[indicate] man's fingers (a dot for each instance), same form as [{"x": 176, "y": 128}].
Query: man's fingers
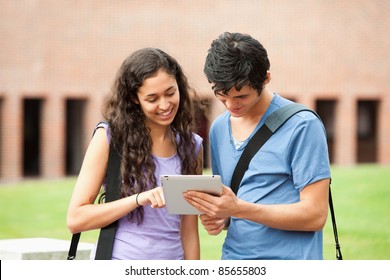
[
  {"x": 203, "y": 206},
  {"x": 196, "y": 204},
  {"x": 213, "y": 230},
  {"x": 201, "y": 195}
]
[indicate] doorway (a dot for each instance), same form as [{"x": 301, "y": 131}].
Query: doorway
[
  {"x": 75, "y": 111},
  {"x": 367, "y": 120},
  {"x": 326, "y": 109},
  {"x": 31, "y": 136}
]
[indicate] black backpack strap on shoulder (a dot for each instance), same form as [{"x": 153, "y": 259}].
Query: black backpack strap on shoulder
[
  {"x": 113, "y": 183},
  {"x": 271, "y": 125},
  {"x": 256, "y": 142},
  {"x": 280, "y": 116}
]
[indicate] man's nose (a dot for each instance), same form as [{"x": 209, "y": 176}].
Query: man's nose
[{"x": 230, "y": 103}]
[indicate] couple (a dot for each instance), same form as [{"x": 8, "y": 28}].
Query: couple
[{"x": 282, "y": 203}]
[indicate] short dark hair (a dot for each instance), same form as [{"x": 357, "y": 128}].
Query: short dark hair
[{"x": 236, "y": 60}]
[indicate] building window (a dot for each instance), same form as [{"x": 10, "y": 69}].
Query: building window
[
  {"x": 75, "y": 111},
  {"x": 31, "y": 136},
  {"x": 367, "y": 131},
  {"x": 326, "y": 109}
]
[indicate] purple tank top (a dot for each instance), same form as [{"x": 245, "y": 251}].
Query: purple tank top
[{"x": 158, "y": 237}]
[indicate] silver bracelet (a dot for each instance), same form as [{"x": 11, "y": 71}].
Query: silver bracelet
[{"x": 136, "y": 200}]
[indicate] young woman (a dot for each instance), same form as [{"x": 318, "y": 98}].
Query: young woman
[{"x": 150, "y": 118}]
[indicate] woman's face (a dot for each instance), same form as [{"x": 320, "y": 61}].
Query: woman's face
[{"x": 159, "y": 99}]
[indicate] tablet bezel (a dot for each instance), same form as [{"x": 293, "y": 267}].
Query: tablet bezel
[{"x": 175, "y": 185}]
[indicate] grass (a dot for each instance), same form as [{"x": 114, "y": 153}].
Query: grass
[
  {"x": 361, "y": 196},
  {"x": 37, "y": 208}
]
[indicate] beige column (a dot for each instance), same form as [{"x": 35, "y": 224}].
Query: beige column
[
  {"x": 53, "y": 140},
  {"x": 93, "y": 115},
  {"x": 308, "y": 100},
  {"x": 12, "y": 138},
  {"x": 384, "y": 131},
  {"x": 345, "y": 131}
]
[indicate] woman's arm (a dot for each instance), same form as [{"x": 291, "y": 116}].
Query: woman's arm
[
  {"x": 83, "y": 214},
  {"x": 190, "y": 237},
  {"x": 189, "y": 225}
]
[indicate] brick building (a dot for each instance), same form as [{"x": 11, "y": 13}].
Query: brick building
[{"x": 58, "y": 60}]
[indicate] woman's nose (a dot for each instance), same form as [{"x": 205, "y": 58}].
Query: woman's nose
[{"x": 164, "y": 104}]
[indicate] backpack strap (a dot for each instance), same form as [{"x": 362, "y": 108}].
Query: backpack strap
[
  {"x": 271, "y": 125},
  {"x": 339, "y": 256},
  {"x": 73, "y": 246},
  {"x": 107, "y": 234},
  {"x": 113, "y": 183}
]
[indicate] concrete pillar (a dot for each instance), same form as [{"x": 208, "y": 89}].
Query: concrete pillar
[
  {"x": 53, "y": 137},
  {"x": 345, "y": 131},
  {"x": 384, "y": 131},
  {"x": 93, "y": 115},
  {"x": 308, "y": 100},
  {"x": 12, "y": 138}
]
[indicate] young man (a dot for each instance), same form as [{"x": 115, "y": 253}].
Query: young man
[{"x": 282, "y": 201}]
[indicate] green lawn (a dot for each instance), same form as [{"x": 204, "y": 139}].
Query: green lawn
[{"x": 37, "y": 208}]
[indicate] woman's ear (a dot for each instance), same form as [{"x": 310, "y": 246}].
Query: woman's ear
[{"x": 135, "y": 100}]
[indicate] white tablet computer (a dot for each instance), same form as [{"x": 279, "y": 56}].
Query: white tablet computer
[{"x": 175, "y": 185}]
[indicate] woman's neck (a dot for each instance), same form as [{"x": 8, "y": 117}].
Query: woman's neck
[{"x": 163, "y": 142}]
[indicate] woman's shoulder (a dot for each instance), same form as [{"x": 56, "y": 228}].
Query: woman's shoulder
[
  {"x": 106, "y": 126},
  {"x": 197, "y": 137}
]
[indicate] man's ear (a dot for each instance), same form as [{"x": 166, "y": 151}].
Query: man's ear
[{"x": 267, "y": 78}]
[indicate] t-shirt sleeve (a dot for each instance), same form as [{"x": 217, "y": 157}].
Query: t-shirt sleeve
[
  {"x": 198, "y": 142},
  {"x": 105, "y": 126},
  {"x": 309, "y": 153}
]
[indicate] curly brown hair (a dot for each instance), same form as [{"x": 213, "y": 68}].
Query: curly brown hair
[{"x": 129, "y": 133}]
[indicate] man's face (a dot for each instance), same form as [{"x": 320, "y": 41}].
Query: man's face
[{"x": 240, "y": 103}]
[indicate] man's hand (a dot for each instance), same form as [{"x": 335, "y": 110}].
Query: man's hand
[
  {"x": 220, "y": 207},
  {"x": 213, "y": 225}
]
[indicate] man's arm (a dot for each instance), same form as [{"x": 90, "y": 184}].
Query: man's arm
[{"x": 309, "y": 214}]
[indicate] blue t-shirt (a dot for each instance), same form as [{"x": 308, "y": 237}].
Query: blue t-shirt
[{"x": 295, "y": 156}]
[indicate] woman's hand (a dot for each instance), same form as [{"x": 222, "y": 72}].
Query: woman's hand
[{"x": 153, "y": 197}]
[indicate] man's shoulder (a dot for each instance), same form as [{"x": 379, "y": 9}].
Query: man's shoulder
[
  {"x": 222, "y": 119},
  {"x": 278, "y": 102}
]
